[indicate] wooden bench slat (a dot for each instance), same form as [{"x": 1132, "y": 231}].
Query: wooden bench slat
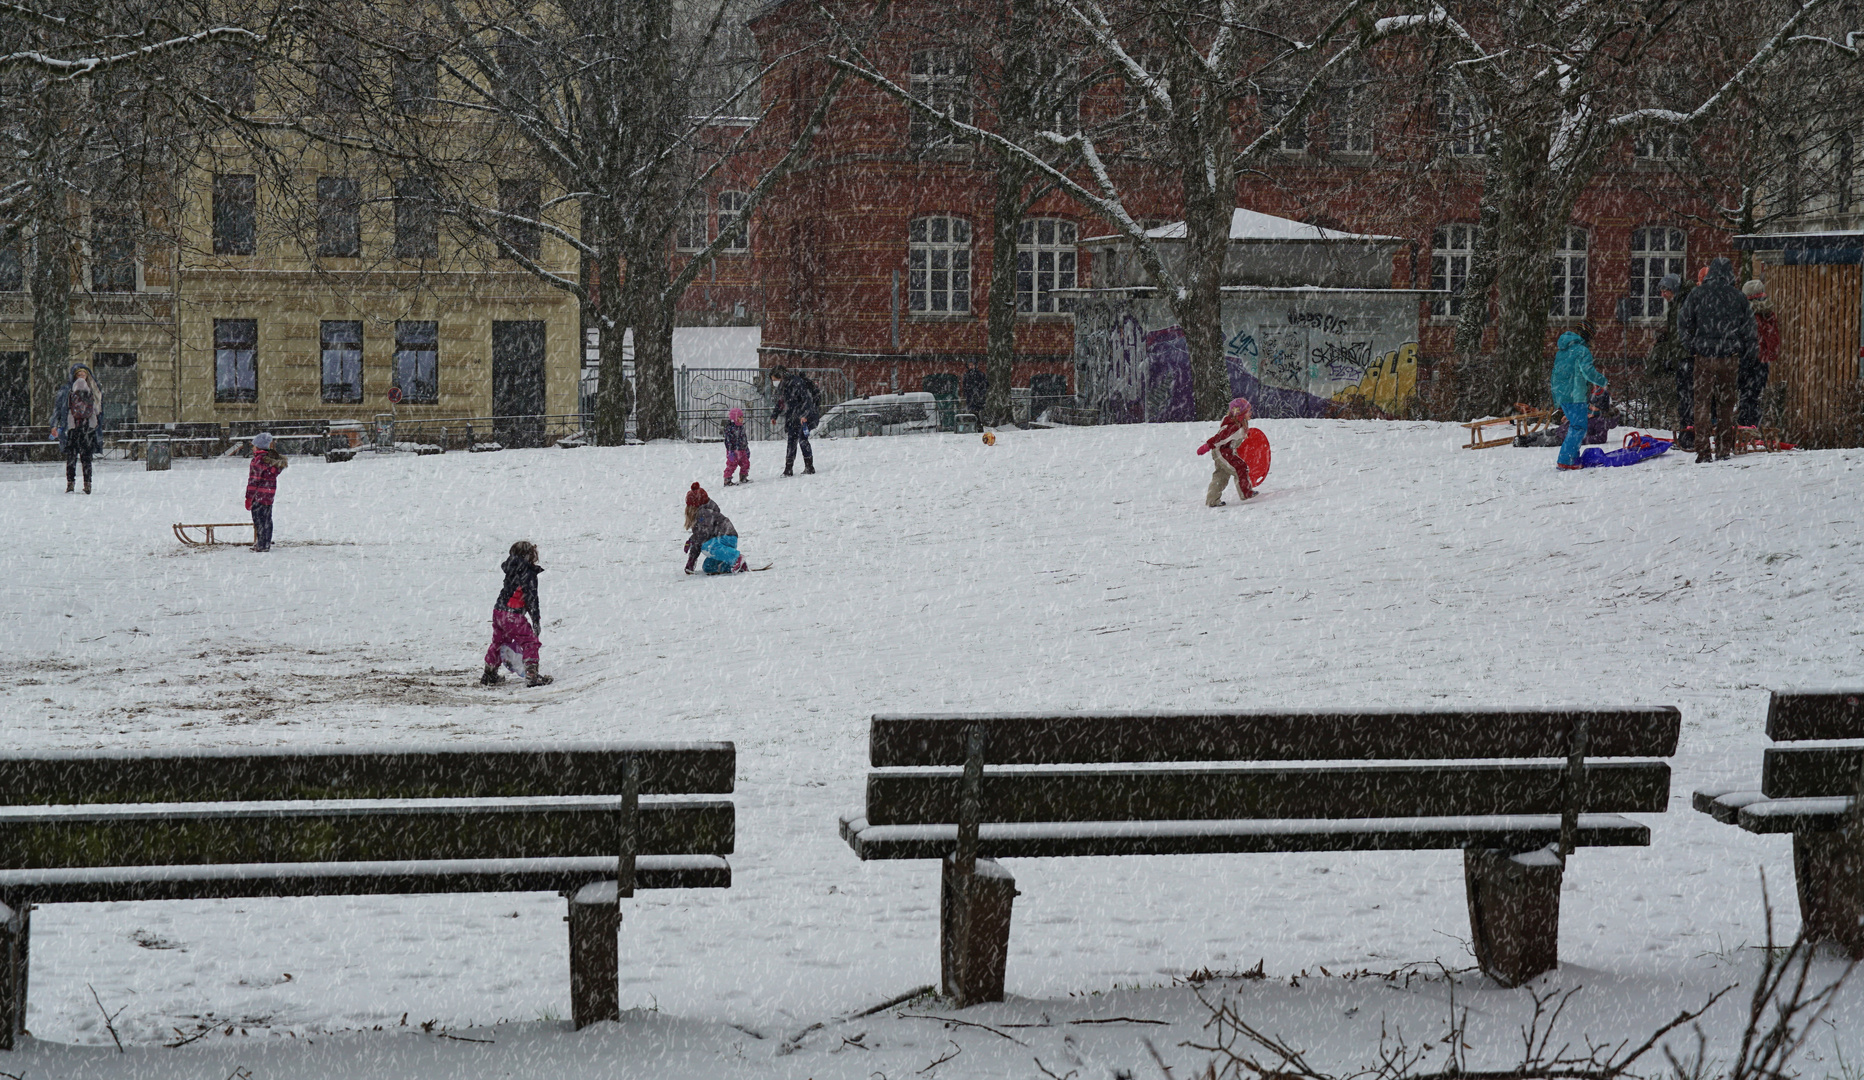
[
  {"x": 71, "y": 837},
  {"x": 1770, "y": 816},
  {"x": 1281, "y": 735},
  {"x": 1798, "y": 717},
  {"x": 1804, "y": 772},
  {"x": 1009, "y": 795},
  {"x": 1724, "y": 804},
  {"x": 94, "y": 885},
  {"x": 501, "y": 771},
  {"x": 1522, "y": 833}
]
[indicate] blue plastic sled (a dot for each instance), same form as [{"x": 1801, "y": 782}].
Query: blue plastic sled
[{"x": 1636, "y": 448}]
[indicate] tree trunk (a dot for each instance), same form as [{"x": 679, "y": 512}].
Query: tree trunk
[
  {"x": 51, "y": 301},
  {"x": 1200, "y": 307},
  {"x": 614, "y": 398},
  {"x": 1000, "y": 338},
  {"x": 650, "y": 313}
]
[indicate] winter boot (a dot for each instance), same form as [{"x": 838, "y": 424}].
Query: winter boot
[
  {"x": 531, "y": 677},
  {"x": 808, "y": 470},
  {"x": 70, "y": 486},
  {"x": 87, "y": 487},
  {"x": 491, "y": 676}
]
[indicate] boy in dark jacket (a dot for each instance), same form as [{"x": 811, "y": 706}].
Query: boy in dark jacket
[
  {"x": 262, "y": 488},
  {"x": 516, "y": 619}
]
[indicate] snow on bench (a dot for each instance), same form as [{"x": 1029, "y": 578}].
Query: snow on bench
[
  {"x": 84, "y": 827},
  {"x": 968, "y": 790},
  {"x": 1810, "y": 789}
]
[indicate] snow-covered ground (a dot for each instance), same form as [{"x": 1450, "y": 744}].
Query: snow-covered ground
[{"x": 1059, "y": 569}]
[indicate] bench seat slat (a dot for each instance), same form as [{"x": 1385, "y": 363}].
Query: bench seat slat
[
  {"x": 1799, "y": 716},
  {"x": 100, "y": 884},
  {"x": 917, "y": 797},
  {"x": 1280, "y": 735},
  {"x": 505, "y": 770},
  {"x": 1804, "y": 772},
  {"x": 141, "y": 835},
  {"x": 997, "y": 841},
  {"x": 1724, "y": 804},
  {"x": 1770, "y": 816}
]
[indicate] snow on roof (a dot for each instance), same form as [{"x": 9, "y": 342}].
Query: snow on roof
[{"x": 1250, "y": 226}]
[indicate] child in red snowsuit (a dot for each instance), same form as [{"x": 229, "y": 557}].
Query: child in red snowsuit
[
  {"x": 262, "y": 488},
  {"x": 516, "y": 618},
  {"x": 1228, "y": 460}
]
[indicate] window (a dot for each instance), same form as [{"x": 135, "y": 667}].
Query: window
[
  {"x": 1660, "y": 144},
  {"x": 113, "y": 252},
  {"x": 234, "y": 213},
  {"x": 12, "y": 273},
  {"x": 232, "y": 80},
  {"x": 1349, "y": 127},
  {"x": 1459, "y": 124},
  {"x": 524, "y": 80},
  {"x": 416, "y": 232},
  {"x": 1569, "y": 277},
  {"x": 236, "y": 360},
  {"x": 1654, "y": 253},
  {"x": 339, "y": 75},
  {"x": 938, "y": 266},
  {"x": 1276, "y": 104},
  {"x": 417, "y": 362},
  {"x": 1451, "y": 249},
  {"x": 692, "y": 235},
  {"x": 1061, "y": 90},
  {"x": 1045, "y": 261},
  {"x": 730, "y": 209},
  {"x": 341, "y": 343},
  {"x": 414, "y": 77},
  {"x": 523, "y": 200},
  {"x": 339, "y": 216},
  {"x": 942, "y": 79}
]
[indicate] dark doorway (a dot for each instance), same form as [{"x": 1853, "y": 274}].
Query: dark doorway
[
  {"x": 518, "y": 383},
  {"x": 15, "y": 389},
  {"x": 116, "y": 377}
]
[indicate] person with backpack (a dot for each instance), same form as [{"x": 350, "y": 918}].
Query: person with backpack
[
  {"x": 799, "y": 405},
  {"x": 77, "y": 423}
]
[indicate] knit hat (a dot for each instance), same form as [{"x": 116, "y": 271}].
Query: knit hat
[
  {"x": 1701, "y": 273},
  {"x": 1754, "y": 289},
  {"x": 1586, "y": 330},
  {"x": 697, "y": 496},
  {"x": 1243, "y": 404},
  {"x": 1670, "y": 283},
  {"x": 737, "y": 416},
  {"x": 262, "y": 441}
]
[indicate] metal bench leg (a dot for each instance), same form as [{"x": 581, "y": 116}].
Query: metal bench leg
[
  {"x": 1828, "y": 867},
  {"x": 1514, "y": 911},
  {"x": 595, "y": 954},
  {"x": 974, "y": 931},
  {"x": 15, "y": 928}
]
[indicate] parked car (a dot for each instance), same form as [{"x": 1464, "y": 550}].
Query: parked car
[{"x": 882, "y": 414}]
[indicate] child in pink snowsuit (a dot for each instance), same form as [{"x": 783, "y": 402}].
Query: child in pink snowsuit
[
  {"x": 1228, "y": 461},
  {"x": 516, "y": 618},
  {"x": 737, "y": 448}
]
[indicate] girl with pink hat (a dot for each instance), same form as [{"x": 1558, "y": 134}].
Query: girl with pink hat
[
  {"x": 1228, "y": 459},
  {"x": 737, "y": 448}
]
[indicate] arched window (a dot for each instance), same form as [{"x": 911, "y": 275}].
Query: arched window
[
  {"x": 730, "y": 207},
  {"x": 1045, "y": 261},
  {"x": 1655, "y": 252},
  {"x": 938, "y": 266},
  {"x": 1569, "y": 277},
  {"x": 691, "y": 234}
]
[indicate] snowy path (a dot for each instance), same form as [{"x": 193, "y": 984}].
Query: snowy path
[{"x": 1064, "y": 569}]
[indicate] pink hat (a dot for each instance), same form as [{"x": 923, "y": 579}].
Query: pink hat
[
  {"x": 737, "y": 416},
  {"x": 1243, "y": 404}
]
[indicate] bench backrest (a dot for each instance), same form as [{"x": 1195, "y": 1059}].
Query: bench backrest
[
  {"x": 1798, "y": 772},
  {"x": 1388, "y": 763},
  {"x": 108, "y": 808}
]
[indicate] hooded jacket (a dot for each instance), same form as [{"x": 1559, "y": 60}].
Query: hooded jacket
[
  {"x": 1717, "y": 320},
  {"x": 519, "y": 592},
  {"x": 1573, "y": 370},
  {"x": 708, "y": 521},
  {"x": 798, "y": 400},
  {"x": 76, "y": 437}
]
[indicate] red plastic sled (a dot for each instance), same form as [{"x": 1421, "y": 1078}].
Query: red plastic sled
[{"x": 1255, "y": 454}]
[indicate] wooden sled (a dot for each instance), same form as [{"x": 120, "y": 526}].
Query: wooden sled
[
  {"x": 181, "y": 533},
  {"x": 1525, "y": 421}
]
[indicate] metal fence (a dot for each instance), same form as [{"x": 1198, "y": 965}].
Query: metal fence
[
  {"x": 465, "y": 432},
  {"x": 704, "y": 398}
]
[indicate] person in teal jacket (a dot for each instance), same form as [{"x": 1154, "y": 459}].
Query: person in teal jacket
[{"x": 1574, "y": 376}]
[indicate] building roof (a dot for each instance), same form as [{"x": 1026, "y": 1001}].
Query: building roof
[
  {"x": 1800, "y": 241},
  {"x": 1252, "y": 227}
]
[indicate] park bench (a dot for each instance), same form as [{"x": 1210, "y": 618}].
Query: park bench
[
  {"x": 1813, "y": 793},
  {"x": 289, "y": 436},
  {"x": 202, "y": 440},
  {"x": 18, "y": 444},
  {"x": 90, "y": 826},
  {"x": 969, "y": 790}
]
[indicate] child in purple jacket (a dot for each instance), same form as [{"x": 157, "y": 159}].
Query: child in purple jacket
[{"x": 737, "y": 448}]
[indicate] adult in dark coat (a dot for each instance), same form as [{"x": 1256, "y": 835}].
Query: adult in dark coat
[
  {"x": 1669, "y": 359},
  {"x": 1756, "y": 366},
  {"x": 799, "y": 406},
  {"x": 974, "y": 388},
  {"x": 1717, "y": 324},
  {"x": 77, "y": 423}
]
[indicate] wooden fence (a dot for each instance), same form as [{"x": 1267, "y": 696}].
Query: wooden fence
[{"x": 1819, "y": 359}]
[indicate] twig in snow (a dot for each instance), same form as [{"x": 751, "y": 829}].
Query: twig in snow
[
  {"x": 1123, "y": 1020},
  {"x": 900, "y": 999},
  {"x": 964, "y": 1023},
  {"x": 109, "y": 1017},
  {"x": 184, "y": 1040},
  {"x": 955, "y": 1051},
  {"x": 1157, "y": 1060},
  {"x": 1070, "y": 1075}
]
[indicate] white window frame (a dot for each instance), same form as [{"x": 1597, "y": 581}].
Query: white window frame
[
  {"x": 730, "y": 208},
  {"x": 1046, "y": 260},
  {"x": 1275, "y": 103},
  {"x": 1569, "y": 269},
  {"x": 692, "y": 233},
  {"x": 1452, "y": 253},
  {"x": 938, "y": 265},
  {"x": 1650, "y": 264},
  {"x": 1660, "y": 145},
  {"x": 1460, "y": 123},
  {"x": 942, "y": 79}
]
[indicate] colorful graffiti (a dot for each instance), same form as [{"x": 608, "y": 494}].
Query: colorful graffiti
[{"x": 1389, "y": 384}]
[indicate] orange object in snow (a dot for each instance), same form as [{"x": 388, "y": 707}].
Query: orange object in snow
[
  {"x": 990, "y": 438},
  {"x": 1256, "y": 455}
]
